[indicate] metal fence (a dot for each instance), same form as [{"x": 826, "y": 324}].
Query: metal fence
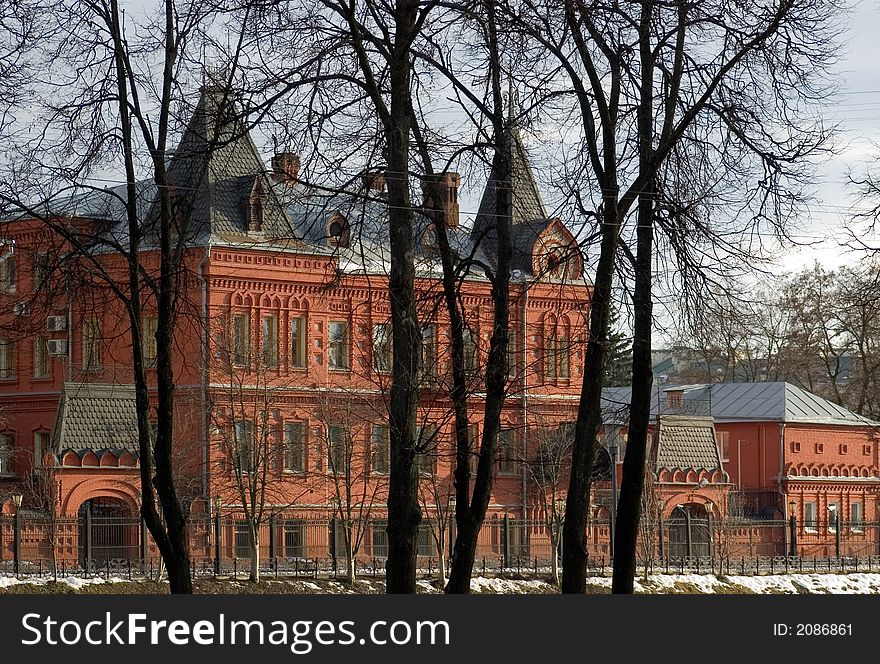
[{"x": 308, "y": 546}]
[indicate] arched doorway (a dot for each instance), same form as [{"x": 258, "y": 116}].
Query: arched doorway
[
  {"x": 108, "y": 532},
  {"x": 690, "y": 532}
]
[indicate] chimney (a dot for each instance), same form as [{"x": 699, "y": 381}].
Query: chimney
[
  {"x": 448, "y": 193},
  {"x": 285, "y": 167},
  {"x": 373, "y": 181}
]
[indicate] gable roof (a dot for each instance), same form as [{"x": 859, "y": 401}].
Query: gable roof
[
  {"x": 741, "y": 402},
  {"x": 95, "y": 417}
]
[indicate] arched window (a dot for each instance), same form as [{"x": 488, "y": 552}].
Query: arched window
[{"x": 338, "y": 231}]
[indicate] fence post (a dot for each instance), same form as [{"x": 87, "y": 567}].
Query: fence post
[
  {"x": 506, "y": 525},
  {"x": 88, "y": 539},
  {"x": 16, "y": 539},
  {"x": 145, "y": 546},
  {"x": 272, "y": 537},
  {"x": 218, "y": 543}
]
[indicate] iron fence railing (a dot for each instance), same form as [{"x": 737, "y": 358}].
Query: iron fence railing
[{"x": 306, "y": 546}]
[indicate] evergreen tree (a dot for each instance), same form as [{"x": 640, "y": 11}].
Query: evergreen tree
[{"x": 618, "y": 355}]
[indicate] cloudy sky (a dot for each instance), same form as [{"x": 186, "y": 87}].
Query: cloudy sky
[{"x": 857, "y": 110}]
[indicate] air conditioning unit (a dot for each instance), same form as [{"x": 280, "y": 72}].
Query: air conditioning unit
[
  {"x": 56, "y": 323},
  {"x": 19, "y": 309},
  {"x": 56, "y": 346}
]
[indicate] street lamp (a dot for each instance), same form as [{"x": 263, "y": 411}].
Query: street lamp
[
  {"x": 836, "y": 517},
  {"x": 16, "y": 545},
  {"x": 792, "y": 526},
  {"x": 218, "y": 529}
]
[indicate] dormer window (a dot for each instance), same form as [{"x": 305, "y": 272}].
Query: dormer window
[
  {"x": 257, "y": 215},
  {"x": 338, "y": 231}
]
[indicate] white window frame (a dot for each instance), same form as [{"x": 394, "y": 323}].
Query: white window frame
[{"x": 338, "y": 351}]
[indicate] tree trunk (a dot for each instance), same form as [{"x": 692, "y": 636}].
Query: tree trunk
[
  {"x": 463, "y": 556},
  {"x": 404, "y": 512},
  {"x": 633, "y": 479},
  {"x": 255, "y": 554}
]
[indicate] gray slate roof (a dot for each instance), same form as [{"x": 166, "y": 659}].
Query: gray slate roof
[
  {"x": 687, "y": 443},
  {"x": 96, "y": 417},
  {"x": 741, "y": 402}
]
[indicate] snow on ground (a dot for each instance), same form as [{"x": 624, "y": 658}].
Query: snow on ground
[{"x": 830, "y": 583}]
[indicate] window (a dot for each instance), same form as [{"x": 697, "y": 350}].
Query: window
[
  {"x": 866, "y": 450},
  {"x": 338, "y": 231},
  {"x": 810, "y": 516},
  {"x": 833, "y": 516},
  {"x": 379, "y": 542},
  {"x": 564, "y": 357},
  {"x": 7, "y": 450},
  {"x": 336, "y": 538},
  {"x": 242, "y": 539},
  {"x": 41, "y": 358},
  {"x": 7, "y": 359},
  {"x": 41, "y": 444},
  {"x": 506, "y": 452},
  {"x": 795, "y": 447},
  {"x": 380, "y": 447},
  {"x": 270, "y": 341},
  {"x": 244, "y": 445},
  {"x": 7, "y": 274},
  {"x": 295, "y": 447},
  {"x": 298, "y": 342},
  {"x": 843, "y": 449},
  {"x": 295, "y": 542},
  {"x": 426, "y": 450},
  {"x": 426, "y": 540},
  {"x": 91, "y": 345},
  {"x": 337, "y": 449},
  {"x": 470, "y": 349},
  {"x": 511, "y": 352},
  {"x": 382, "y": 347},
  {"x": 429, "y": 351},
  {"x": 42, "y": 272},
  {"x": 151, "y": 350},
  {"x": 257, "y": 215},
  {"x": 550, "y": 352},
  {"x": 820, "y": 448},
  {"x": 856, "y": 517},
  {"x": 240, "y": 340},
  {"x": 723, "y": 440},
  {"x": 338, "y": 345}
]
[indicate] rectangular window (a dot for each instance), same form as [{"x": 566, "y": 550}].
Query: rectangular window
[
  {"x": 550, "y": 352},
  {"x": 151, "y": 347},
  {"x": 856, "y": 517},
  {"x": 511, "y": 353},
  {"x": 8, "y": 273},
  {"x": 295, "y": 447},
  {"x": 426, "y": 450},
  {"x": 91, "y": 345},
  {"x": 7, "y": 450},
  {"x": 564, "y": 358},
  {"x": 41, "y": 358},
  {"x": 470, "y": 350},
  {"x": 240, "y": 340},
  {"x": 337, "y": 346},
  {"x": 382, "y": 347},
  {"x": 429, "y": 351},
  {"x": 242, "y": 540},
  {"x": 843, "y": 449},
  {"x": 244, "y": 445},
  {"x": 7, "y": 359},
  {"x": 810, "y": 520},
  {"x": 336, "y": 539},
  {"x": 506, "y": 452},
  {"x": 41, "y": 444},
  {"x": 795, "y": 447},
  {"x": 723, "y": 440},
  {"x": 298, "y": 342},
  {"x": 833, "y": 516},
  {"x": 42, "y": 273},
  {"x": 426, "y": 541},
  {"x": 379, "y": 540},
  {"x": 380, "y": 449},
  {"x": 295, "y": 542},
  {"x": 820, "y": 448},
  {"x": 270, "y": 341},
  {"x": 337, "y": 450}
]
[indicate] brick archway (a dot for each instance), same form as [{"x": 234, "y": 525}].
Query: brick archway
[{"x": 81, "y": 490}]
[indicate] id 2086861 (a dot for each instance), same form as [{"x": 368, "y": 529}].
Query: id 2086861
[{"x": 813, "y": 629}]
